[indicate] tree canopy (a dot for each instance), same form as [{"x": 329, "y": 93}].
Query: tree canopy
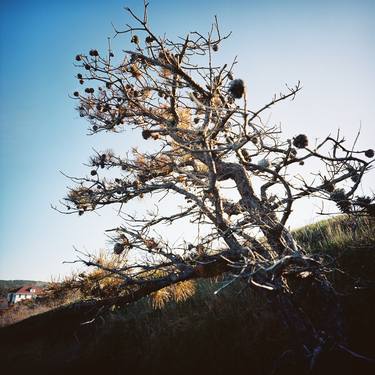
[{"x": 233, "y": 176}]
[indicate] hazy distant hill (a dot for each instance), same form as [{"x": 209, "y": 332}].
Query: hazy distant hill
[{"x": 6, "y": 285}]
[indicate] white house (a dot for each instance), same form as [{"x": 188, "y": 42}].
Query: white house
[{"x": 25, "y": 292}]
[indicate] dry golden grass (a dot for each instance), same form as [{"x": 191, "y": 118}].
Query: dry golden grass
[
  {"x": 178, "y": 293},
  {"x": 23, "y": 310}
]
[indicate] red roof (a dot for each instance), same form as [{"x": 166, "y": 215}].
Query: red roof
[{"x": 26, "y": 289}]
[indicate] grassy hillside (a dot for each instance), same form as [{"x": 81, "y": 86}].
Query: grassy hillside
[
  {"x": 336, "y": 236},
  {"x": 349, "y": 246},
  {"x": 235, "y": 331}
]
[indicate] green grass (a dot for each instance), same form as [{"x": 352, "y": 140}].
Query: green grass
[
  {"x": 350, "y": 244},
  {"x": 332, "y": 236}
]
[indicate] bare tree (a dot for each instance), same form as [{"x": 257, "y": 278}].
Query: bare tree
[{"x": 238, "y": 179}]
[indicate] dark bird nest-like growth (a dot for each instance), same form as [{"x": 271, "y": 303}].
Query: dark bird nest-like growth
[
  {"x": 237, "y": 88},
  {"x": 300, "y": 141},
  {"x": 369, "y": 153}
]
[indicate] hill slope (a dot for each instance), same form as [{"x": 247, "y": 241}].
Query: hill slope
[{"x": 230, "y": 332}]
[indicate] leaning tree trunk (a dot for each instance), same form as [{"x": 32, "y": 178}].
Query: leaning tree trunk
[
  {"x": 312, "y": 315},
  {"x": 311, "y": 323}
]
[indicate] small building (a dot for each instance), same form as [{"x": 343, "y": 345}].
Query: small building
[{"x": 26, "y": 292}]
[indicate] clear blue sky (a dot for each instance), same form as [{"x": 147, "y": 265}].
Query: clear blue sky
[{"x": 328, "y": 45}]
